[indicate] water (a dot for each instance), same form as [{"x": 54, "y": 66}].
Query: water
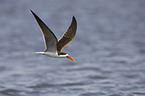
[{"x": 109, "y": 48}]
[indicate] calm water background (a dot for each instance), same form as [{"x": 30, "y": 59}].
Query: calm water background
[{"x": 109, "y": 48}]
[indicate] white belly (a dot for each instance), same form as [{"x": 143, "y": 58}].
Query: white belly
[{"x": 50, "y": 54}]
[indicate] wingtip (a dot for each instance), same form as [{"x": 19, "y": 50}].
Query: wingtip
[
  {"x": 73, "y": 17},
  {"x": 31, "y": 11},
  {"x": 36, "y": 17}
]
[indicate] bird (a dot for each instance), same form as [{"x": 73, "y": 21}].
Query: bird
[{"x": 53, "y": 46}]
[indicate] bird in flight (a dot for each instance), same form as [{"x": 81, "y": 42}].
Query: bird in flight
[{"x": 52, "y": 44}]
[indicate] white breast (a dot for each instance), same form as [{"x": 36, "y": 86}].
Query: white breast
[{"x": 51, "y": 54}]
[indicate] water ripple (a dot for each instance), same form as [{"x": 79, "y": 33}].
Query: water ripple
[
  {"x": 10, "y": 92},
  {"x": 97, "y": 77},
  {"x": 93, "y": 94},
  {"x": 46, "y": 85}
]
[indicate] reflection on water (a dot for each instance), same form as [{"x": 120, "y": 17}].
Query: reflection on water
[{"x": 109, "y": 48}]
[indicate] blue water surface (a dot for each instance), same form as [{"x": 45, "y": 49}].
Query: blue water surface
[{"x": 109, "y": 48}]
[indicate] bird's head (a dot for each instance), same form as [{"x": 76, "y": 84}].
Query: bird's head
[{"x": 65, "y": 55}]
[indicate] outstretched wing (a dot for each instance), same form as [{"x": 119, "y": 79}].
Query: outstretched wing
[
  {"x": 48, "y": 35},
  {"x": 67, "y": 36}
]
